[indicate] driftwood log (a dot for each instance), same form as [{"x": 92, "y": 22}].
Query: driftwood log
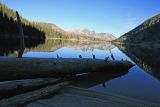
[
  {"x": 24, "y": 68},
  {"x": 22, "y": 99},
  {"x": 11, "y": 88}
]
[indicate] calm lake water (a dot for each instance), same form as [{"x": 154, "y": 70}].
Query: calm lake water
[{"x": 140, "y": 82}]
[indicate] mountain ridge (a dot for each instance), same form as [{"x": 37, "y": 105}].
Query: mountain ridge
[
  {"x": 92, "y": 33},
  {"x": 147, "y": 33}
]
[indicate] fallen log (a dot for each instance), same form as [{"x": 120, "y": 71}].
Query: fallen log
[
  {"x": 24, "y": 68},
  {"x": 22, "y": 99},
  {"x": 11, "y": 88}
]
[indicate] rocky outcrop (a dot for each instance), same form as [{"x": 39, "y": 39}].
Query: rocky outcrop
[{"x": 89, "y": 33}]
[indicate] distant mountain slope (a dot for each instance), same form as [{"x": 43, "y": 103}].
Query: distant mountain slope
[
  {"x": 147, "y": 33},
  {"x": 89, "y": 33},
  {"x": 53, "y": 26}
]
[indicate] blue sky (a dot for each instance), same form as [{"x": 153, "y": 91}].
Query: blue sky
[{"x": 113, "y": 16}]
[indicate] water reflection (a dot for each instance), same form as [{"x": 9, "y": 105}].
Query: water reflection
[
  {"x": 55, "y": 44},
  {"x": 145, "y": 57},
  {"x": 11, "y": 46},
  {"x": 134, "y": 83}
]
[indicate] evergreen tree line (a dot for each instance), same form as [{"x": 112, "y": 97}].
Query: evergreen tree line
[{"x": 9, "y": 26}]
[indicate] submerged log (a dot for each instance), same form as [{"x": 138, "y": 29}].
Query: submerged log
[
  {"x": 11, "y": 88},
  {"x": 15, "y": 68},
  {"x": 22, "y": 99}
]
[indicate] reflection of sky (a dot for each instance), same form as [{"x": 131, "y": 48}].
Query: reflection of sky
[{"x": 136, "y": 83}]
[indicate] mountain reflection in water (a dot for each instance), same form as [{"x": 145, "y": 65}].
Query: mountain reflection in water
[
  {"x": 10, "y": 49},
  {"x": 53, "y": 45},
  {"x": 10, "y": 46},
  {"x": 146, "y": 58}
]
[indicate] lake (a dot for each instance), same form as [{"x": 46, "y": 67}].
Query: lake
[{"x": 141, "y": 81}]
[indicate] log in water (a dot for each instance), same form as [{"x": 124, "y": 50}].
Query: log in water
[
  {"x": 21, "y": 68},
  {"x": 22, "y": 99},
  {"x": 14, "y": 87}
]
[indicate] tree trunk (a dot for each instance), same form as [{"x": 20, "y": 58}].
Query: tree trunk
[
  {"x": 22, "y": 99},
  {"x": 24, "y": 68},
  {"x": 22, "y": 45}
]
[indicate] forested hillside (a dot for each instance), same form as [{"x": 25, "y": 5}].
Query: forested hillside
[{"x": 147, "y": 33}]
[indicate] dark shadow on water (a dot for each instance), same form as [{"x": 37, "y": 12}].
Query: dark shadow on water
[
  {"x": 93, "y": 79},
  {"x": 11, "y": 46},
  {"x": 146, "y": 58}
]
